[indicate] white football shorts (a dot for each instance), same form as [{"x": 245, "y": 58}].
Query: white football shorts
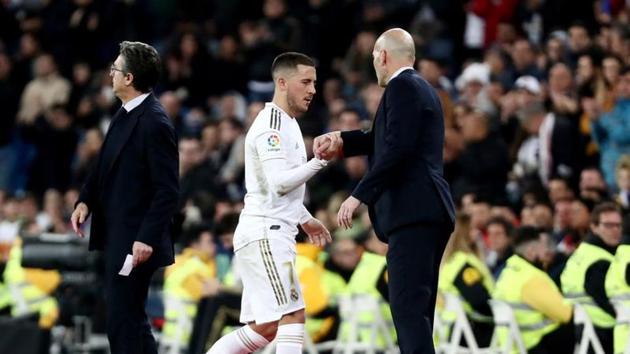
[{"x": 270, "y": 283}]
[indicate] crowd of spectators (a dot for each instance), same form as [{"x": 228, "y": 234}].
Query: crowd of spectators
[
  {"x": 534, "y": 94},
  {"x": 536, "y": 99}
]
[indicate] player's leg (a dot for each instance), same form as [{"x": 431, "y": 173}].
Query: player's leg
[
  {"x": 241, "y": 341},
  {"x": 271, "y": 303},
  {"x": 246, "y": 339},
  {"x": 290, "y": 335},
  {"x": 280, "y": 257},
  {"x": 289, "y": 332}
]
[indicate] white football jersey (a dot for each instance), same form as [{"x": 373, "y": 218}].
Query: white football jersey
[{"x": 273, "y": 135}]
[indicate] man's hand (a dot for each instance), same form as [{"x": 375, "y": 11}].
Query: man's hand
[
  {"x": 140, "y": 252},
  {"x": 328, "y": 146},
  {"x": 344, "y": 216},
  {"x": 317, "y": 232},
  {"x": 78, "y": 217}
]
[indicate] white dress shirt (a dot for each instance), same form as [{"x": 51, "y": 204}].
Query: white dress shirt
[
  {"x": 129, "y": 106},
  {"x": 397, "y": 72}
]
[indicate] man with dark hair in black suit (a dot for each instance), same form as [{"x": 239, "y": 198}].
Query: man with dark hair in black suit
[
  {"x": 409, "y": 201},
  {"x": 132, "y": 196}
]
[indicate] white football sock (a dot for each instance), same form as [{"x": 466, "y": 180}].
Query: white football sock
[
  {"x": 290, "y": 338},
  {"x": 242, "y": 341}
]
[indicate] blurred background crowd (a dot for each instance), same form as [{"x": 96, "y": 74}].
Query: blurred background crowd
[{"x": 536, "y": 100}]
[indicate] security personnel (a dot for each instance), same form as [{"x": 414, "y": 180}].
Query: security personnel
[
  {"x": 465, "y": 275},
  {"x": 618, "y": 289},
  {"x": 584, "y": 277},
  {"x": 31, "y": 288},
  {"x": 353, "y": 271},
  {"x": 5, "y": 294},
  {"x": 543, "y": 315},
  {"x": 191, "y": 277},
  {"x": 316, "y": 297},
  {"x": 5, "y": 298}
]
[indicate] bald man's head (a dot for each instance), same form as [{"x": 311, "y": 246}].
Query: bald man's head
[
  {"x": 394, "y": 49},
  {"x": 398, "y": 43}
]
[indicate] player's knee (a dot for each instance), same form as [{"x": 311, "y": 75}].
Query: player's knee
[
  {"x": 294, "y": 317},
  {"x": 267, "y": 330}
]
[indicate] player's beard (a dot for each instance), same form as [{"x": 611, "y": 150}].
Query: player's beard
[{"x": 294, "y": 106}]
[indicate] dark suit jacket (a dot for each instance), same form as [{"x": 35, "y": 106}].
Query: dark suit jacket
[
  {"x": 404, "y": 184},
  {"x": 132, "y": 195}
]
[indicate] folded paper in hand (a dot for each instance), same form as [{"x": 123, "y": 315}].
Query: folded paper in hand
[{"x": 127, "y": 266}]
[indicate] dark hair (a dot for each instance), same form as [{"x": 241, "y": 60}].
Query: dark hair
[
  {"x": 588, "y": 203},
  {"x": 143, "y": 62},
  {"x": 481, "y": 198},
  {"x": 227, "y": 224},
  {"x": 233, "y": 122},
  {"x": 351, "y": 111},
  {"x": 194, "y": 232},
  {"x": 439, "y": 61},
  {"x": 190, "y": 136},
  {"x": 290, "y": 60},
  {"x": 613, "y": 57},
  {"x": 579, "y": 23},
  {"x": 525, "y": 234},
  {"x": 559, "y": 178},
  {"x": 507, "y": 226},
  {"x": 605, "y": 207}
]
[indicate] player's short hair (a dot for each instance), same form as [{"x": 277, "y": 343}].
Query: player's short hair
[{"x": 290, "y": 61}]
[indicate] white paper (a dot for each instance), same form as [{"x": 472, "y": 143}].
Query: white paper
[{"x": 127, "y": 266}]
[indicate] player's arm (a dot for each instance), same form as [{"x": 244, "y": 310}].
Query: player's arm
[
  {"x": 316, "y": 231},
  {"x": 283, "y": 179},
  {"x": 305, "y": 215}
]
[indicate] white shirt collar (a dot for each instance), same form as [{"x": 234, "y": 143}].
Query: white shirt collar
[
  {"x": 129, "y": 106},
  {"x": 397, "y": 72}
]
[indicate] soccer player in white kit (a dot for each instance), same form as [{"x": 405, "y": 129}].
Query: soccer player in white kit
[{"x": 276, "y": 170}]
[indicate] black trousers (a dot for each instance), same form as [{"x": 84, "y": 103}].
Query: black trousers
[
  {"x": 482, "y": 332},
  {"x": 213, "y": 314},
  {"x": 128, "y": 328},
  {"x": 413, "y": 262},
  {"x": 605, "y": 336},
  {"x": 560, "y": 341}
]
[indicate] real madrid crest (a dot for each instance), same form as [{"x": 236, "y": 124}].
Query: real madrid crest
[{"x": 294, "y": 295}]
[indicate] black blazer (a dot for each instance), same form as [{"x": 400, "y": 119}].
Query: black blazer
[
  {"x": 132, "y": 194},
  {"x": 404, "y": 184}
]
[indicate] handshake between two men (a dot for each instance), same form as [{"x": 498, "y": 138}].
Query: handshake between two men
[{"x": 328, "y": 147}]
